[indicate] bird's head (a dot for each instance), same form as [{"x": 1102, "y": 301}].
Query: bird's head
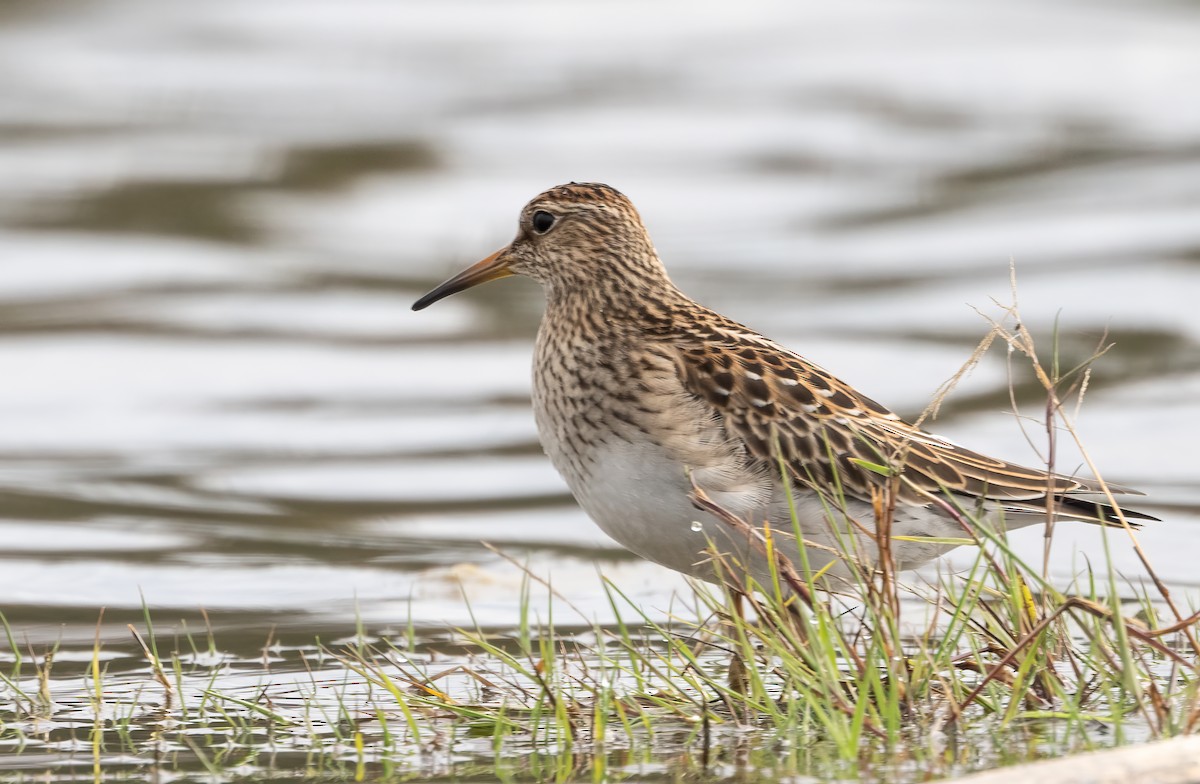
[{"x": 579, "y": 236}]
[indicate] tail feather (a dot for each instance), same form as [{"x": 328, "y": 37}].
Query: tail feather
[
  {"x": 1070, "y": 507},
  {"x": 1100, "y": 512}
]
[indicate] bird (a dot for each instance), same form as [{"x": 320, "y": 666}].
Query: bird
[{"x": 691, "y": 439}]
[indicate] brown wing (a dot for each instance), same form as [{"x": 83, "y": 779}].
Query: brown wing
[{"x": 786, "y": 408}]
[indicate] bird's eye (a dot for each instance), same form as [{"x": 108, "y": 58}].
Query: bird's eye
[{"x": 542, "y": 221}]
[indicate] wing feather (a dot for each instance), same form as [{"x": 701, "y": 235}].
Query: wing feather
[{"x": 783, "y": 406}]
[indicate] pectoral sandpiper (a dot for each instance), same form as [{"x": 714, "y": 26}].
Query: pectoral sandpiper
[{"x": 642, "y": 397}]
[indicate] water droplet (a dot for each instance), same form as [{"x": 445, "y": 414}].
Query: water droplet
[{"x": 697, "y": 525}]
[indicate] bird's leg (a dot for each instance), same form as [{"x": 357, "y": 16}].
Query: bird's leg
[{"x": 737, "y": 678}]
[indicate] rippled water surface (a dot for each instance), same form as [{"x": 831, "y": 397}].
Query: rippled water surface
[{"x": 215, "y": 216}]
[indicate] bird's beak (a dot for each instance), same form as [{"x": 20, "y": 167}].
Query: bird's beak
[{"x": 493, "y": 267}]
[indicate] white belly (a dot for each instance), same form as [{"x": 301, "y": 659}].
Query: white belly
[{"x": 642, "y": 498}]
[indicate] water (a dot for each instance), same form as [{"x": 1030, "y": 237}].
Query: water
[{"x": 214, "y": 217}]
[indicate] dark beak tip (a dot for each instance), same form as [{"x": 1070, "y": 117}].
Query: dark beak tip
[{"x": 440, "y": 293}]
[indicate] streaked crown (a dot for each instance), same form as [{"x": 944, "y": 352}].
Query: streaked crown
[{"x": 580, "y": 233}]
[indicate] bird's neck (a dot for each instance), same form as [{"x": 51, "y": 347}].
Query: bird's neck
[{"x": 616, "y": 304}]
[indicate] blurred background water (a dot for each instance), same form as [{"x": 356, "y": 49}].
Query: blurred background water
[{"x": 215, "y": 216}]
